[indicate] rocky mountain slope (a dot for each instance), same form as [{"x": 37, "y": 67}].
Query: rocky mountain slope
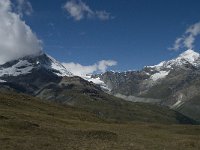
[{"x": 174, "y": 83}]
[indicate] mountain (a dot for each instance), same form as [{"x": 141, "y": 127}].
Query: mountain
[
  {"x": 45, "y": 78},
  {"x": 28, "y": 64},
  {"x": 174, "y": 83},
  {"x": 28, "y": 74}
]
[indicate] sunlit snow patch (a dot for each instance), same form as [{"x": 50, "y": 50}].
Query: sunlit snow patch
[
  {"x": 2, "y": 81},
  {"x": 97, "y": 81},
  {"x": 59, "y": 67},
  {"x": 159, "y": 75},
  {"x": 22, "y": 67}
]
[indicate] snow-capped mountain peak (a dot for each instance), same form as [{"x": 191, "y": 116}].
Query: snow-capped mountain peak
[
  {"x": 27, "y": 64},
  {"x": 163, "y": 69},
  {"x": 189, "y": 55}
]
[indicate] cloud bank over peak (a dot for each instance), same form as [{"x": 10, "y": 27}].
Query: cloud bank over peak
[
  {"x": 78, "y": 10},
  {"x": 188, "y": 39},
  {"x": 80, "y": 70},
  {"x": 16, "y": 37}
]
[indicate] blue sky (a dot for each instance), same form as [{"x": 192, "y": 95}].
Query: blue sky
[{"x": 137, "y": 32}]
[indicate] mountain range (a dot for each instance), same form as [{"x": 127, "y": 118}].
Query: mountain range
[
  {"x": 174, "y": 83},
  {"x": 171, "y": 87}
]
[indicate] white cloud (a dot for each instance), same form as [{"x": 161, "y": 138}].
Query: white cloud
[
  {"x": 24, "y": 7},
  {"x": 78, "y": 10},
  {"x": 16, "y": 37},
  {"x": 103, "y": 15},
  {"x": 104, "y": 64},
  {"x": 187, "y": 40},
  {"x": 80, "y": 70}
]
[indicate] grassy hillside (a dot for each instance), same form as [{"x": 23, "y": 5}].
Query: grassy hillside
[
  {"x": 85, "y": 95},
  {"x": 29, "y": 124},
  {"x": 82, "y": 94}
]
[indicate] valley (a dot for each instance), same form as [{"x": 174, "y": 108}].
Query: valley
[
  {"x": 99, "y": 75},
  {"x": 29, "y": 123}
]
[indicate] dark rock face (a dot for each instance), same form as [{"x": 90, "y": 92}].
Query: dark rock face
[
  {"x": 140, "y": 84},
  {"x": 127, "y": 83}
]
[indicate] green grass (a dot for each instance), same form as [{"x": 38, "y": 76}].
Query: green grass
[{"x": 27, "y": 123}]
